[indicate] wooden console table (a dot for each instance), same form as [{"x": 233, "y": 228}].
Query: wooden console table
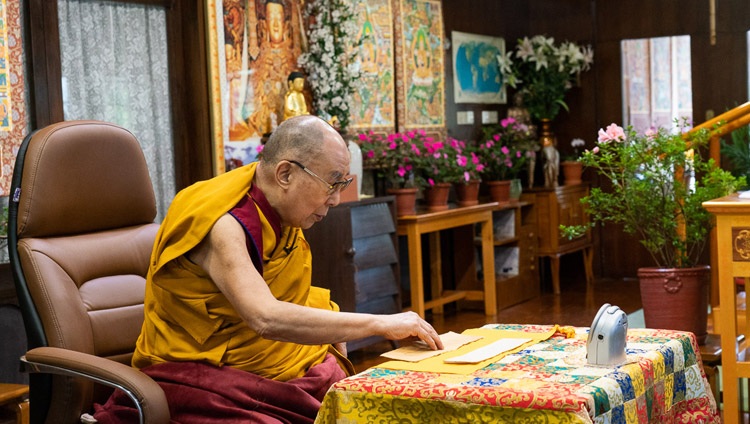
[
  {"x": 732, "y": 260},
  {"x": 413, "y": 226}
]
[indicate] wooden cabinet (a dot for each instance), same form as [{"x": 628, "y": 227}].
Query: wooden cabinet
[
  {"x": 562, "y": 206},
  {"x": 515, "y": 239},
  {"x": 354, "y": 255}
]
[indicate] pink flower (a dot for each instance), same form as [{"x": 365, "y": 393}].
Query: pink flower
[
  {"x": 467, "y": 177},
  {"x": 651, "y": 133},
  {"x": 505, "y": 150},
  {"x": 462, "y": 160},
  {"x": 431, "y": 182},
  {"x": 401, "y": 171},
  {"x": 370, "y": 154},
  {"x": 613, "y": 133}
]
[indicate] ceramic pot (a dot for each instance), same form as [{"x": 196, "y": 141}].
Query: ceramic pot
[
  {"x": 406, "y": 200},
  {"x": 436, "y": 196},
  {"x": 499, "y": 191},
  {"x": 676, "y": 298},
  {"x": 467, "y": 193},
  {"x": 572, "y": 171}
]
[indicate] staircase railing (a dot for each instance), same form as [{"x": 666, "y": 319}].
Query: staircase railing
[{"x": 730, "y": 121}]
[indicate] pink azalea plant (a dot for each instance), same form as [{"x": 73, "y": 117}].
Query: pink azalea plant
[{"x": 504, "y": 153}]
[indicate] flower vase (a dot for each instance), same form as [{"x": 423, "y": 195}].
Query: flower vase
[
  {"x": 406, "y": 200},
  {"x": 437, "y": 197},
  {"x": 467, "y": 193},
  {"x": 572, "y": 171},
  {"x": 499, "y": 191},
  {"x": 516, "y": 188}
]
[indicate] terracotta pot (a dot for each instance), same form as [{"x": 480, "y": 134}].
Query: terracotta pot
[
  {"x": 436, "y": 196},
  {"x": 676, "y": 298},
  {"x": 467, "y": 193},
  {"x": 572, "y": 171},
  {"x": 499, "y": 191},
  {"x": 406, "y": 200}
]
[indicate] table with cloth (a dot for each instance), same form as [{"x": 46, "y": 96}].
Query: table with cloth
[{"x": 546, "y": 380}]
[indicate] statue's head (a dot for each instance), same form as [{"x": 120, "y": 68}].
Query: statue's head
[
  {"x": 295, "y": 80},
  {"x": 275, "y": 20}
]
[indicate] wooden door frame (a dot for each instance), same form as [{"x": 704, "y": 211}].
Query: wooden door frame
[{"x": 188, "y": 81}]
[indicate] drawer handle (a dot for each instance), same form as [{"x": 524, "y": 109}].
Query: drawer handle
[{"x": 351, "y": 251}]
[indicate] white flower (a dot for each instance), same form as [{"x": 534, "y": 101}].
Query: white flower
[{"x": 330, "y": 62}]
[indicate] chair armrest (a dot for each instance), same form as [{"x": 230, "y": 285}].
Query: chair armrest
[{"x": 146, "y": 394}]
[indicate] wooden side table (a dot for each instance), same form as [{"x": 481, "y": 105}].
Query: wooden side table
[
  {"x": 733, "y": 259},
  {"x": 562, "y": 206},
  {"x": 14, "y": 400},
  {"x": 413, "y": 226}
]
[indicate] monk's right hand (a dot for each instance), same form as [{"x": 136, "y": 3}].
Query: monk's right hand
[{"x": 410, "y": 325}]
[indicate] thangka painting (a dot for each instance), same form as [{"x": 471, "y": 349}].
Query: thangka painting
[
  {"x": 374, "y": 105},
  {"x": 476, "y": 74},
  {"x": 13, "y": 121},
  {"x": 419, "y": 65},
  {"x": 253, "y": 46}
]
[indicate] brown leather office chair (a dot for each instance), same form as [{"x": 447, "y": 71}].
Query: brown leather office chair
[{"x": 81, "y": 229}]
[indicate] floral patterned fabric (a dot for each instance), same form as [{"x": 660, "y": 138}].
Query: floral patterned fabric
[{"x": 548, "y": 382}]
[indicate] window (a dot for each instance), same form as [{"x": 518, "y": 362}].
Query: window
[{"x": 657, "y": 82}]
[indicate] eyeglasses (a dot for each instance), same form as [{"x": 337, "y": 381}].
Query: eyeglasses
[{"x": 338, "y": 186}]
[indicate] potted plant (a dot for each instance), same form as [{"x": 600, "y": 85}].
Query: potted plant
[
  {"x": 571, "y": 165},
  {"x": 469, "y": 169},
  {"x": 543, "y": 72},
  {"x": 504, "y": 155},
  {"x": 659, "y": 181},
  {"x": 393, "y": 157}
]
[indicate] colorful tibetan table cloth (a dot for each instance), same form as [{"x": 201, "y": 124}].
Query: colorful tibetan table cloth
[{"x": 547, "y": 382}]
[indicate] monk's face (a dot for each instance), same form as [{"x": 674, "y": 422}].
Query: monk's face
[
  {"x": 275, "y": 21},
  {"x": 308, "y": 200}
]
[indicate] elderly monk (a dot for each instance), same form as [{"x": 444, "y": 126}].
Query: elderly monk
[{"x": 230, "y": 316}]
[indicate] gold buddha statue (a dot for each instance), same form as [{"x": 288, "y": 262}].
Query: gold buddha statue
[{"x": 294, "y": 100}]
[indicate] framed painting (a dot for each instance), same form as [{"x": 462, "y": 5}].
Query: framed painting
[
  {"x": 476, "y": 74},
  {"x": 13, "y": 116},
  {"x": 420, "y": 91},
  {"x": 373, "y": 106},
  {"x": 253, "y": 45}
]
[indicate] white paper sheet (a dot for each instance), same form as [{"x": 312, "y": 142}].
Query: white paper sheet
[{"x": 487, "y": 352}]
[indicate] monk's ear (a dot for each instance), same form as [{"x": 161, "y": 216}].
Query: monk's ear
[{"x": 284, "y": 174}]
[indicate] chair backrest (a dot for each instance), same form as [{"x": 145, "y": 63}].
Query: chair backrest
[{"x": 81, "y": 230}]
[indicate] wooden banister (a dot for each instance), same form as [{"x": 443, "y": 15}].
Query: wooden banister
[
  {"x": 730, "y": 121},
  {"x": 727, "y": 122}
]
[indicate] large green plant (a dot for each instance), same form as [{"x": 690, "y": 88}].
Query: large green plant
[
  {"x": 737, "y": 152},
  {"x": 658, "y": 183}
]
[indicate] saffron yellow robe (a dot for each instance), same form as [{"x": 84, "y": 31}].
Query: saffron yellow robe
[{"x": 187, "y": 318}]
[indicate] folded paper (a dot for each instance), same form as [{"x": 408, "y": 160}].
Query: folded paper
[{"x": 419, "y": 351}]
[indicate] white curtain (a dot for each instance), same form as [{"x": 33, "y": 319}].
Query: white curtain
[{"x": 114, "y": 69}]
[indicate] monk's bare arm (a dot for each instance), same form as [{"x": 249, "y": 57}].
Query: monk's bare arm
[{"x": 223, "y": 255}]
